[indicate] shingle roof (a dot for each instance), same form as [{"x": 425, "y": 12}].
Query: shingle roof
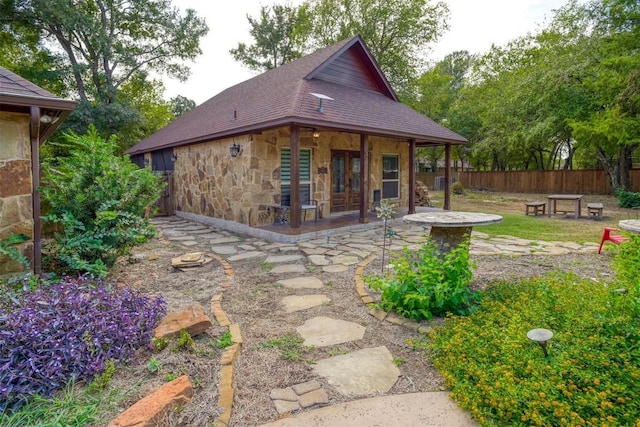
[
  {"x": 283, "y": 96},
  {"x": 16, "y": 90}
]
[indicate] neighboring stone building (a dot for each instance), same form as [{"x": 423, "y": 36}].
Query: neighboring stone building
[
  {"x": 28, "y": 116},
  {"x": 327, "y": 127}
]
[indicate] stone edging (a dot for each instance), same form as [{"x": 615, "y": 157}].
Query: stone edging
[
  {"x": 376, "y": 312},
  {"x": 225, "y": 387}
]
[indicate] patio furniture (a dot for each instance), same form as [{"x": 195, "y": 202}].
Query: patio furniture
[
  {"x": 553, "y": 199},
  {"x": 535, "y": 208},
  {"x": 611, "y": 234},
  {"x": 282, "y": 211},
  {"x": 449, "y": 228},
  {"x": 594, "y": 210}
]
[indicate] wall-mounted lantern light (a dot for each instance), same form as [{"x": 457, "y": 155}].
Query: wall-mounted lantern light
[
  {"x": 146, "y": 162},
  {"x": 174, "y": 157},
  {"x": 316, "y": 134},
  {"x": 234, "y": 150},
  {"x": 48, "y": 119}
]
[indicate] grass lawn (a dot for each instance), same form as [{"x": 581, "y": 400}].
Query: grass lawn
[{"x": 515, "y": 223}]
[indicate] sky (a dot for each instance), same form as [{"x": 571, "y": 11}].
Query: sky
[{"x": 474, "y": 26}]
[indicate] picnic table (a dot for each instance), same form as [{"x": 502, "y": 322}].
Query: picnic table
[
  {"x": 450, "y": 228},
  {"x": 553, "y": 200}
]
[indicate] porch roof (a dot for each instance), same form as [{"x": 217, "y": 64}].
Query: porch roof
[
  {"x": 362, "y": 101},
  {"x": 19, "y": 95}
]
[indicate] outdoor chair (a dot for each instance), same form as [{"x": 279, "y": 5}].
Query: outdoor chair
[
  {"x": 305, "y": 205},
  {"x": 612, "y": 235}
]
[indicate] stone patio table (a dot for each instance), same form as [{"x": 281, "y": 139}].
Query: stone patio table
[
  {"x": 450, "y": 228},
  {"x": 575, "y": 198},
  {"x": 630, "y": 225}
]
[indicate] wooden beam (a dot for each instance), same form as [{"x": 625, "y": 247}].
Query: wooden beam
[
  {"x": 447, "y": 177},
  {"x": 34, "y": 130},
  {"x": 412, "y": 176},
  {"x": 364, "y": 178},
  {"x": 294, "y": 211}
]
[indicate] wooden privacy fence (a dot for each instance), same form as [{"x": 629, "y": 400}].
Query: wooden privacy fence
[{"x": 585, "y": 181}]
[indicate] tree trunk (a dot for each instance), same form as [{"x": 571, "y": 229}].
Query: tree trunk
[
  {"x": 625, "y": 164},
  {"x": 611, "y": 168}
]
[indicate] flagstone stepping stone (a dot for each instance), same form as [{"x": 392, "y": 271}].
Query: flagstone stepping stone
[
  {"x": 179, "y": 238},
  {"x": 345, "y": 259},
  {"x": 323, "y": 331},
  {"x": 333, "y": 253},
  {"x": 362, "y": 372},
  {"x": 286, "y": 249},
  {"x": 335, "y": 268},
  {"x": 247, "y": 247},
  {"x": 314, "y": 251},
  {"x": 302, "y": 283},
  {"x": 288, "y": 268},
  {"x": 223, "y": 240},
  {"x": 298, "y": 396},
  {"x": 283, "y": 258},
  {"x": 224, "y": 250},
  {"x": 246, "y": 255},
  {"x": 188, "y": 242},
  {"x": 303, "y": 302},
  {"x": 319, "y": 260},
  {"x": 193, "y": 228}
]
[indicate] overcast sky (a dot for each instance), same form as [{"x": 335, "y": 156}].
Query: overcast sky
[{"x": 474, "y": 26}]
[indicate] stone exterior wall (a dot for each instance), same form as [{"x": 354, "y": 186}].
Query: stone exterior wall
[
  {"x": 208, "y": 181},
  {"x": 16, "y": 208}
]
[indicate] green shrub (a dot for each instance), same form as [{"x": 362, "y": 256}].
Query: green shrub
[
  {"x": 7, "y": 247},
  {"x": 627, "y": 267},
  {"x": 457, "y": 188},
  {"x": 628, "y": 199},
  {"x": 592, "y": 372},
  {"x": 427, "y": 283},
  {"x": 98, "y": 199}
]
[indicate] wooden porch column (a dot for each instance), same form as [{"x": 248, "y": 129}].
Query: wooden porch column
[
  {"x": 412, "y": 176},
  {"x": 294, "y": 211},
  {"x": 447, "y": 177},
  {"x": 364, "y": 178},
  {"x": 34, "y": 129}
]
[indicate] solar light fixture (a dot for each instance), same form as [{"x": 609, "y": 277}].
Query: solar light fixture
[
  {"x": 48, "y": 119},
  {"x": 541, "y": 336},
  {"x": 234, "y": 150}
]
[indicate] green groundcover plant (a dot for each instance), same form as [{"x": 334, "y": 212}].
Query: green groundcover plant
[
  {"x": 426, "y": 282},
  {"x": 592, "y": 374},
  {"x": 97, "y": 200}
]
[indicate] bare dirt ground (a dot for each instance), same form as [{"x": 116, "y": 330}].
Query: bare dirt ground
[{"x": 254, "y": 303}]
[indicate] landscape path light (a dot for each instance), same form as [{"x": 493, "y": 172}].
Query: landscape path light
[{"x": 541, "y": 336}]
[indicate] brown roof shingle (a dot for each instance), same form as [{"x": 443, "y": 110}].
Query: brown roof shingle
[
  {"x": 282, "y": 96},
  {"x": 16, "y": 90}
]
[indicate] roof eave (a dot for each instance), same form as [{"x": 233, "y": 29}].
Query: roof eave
[{"x": 421, "y": 140}]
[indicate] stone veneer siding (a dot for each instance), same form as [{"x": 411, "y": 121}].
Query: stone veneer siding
[
  {"x": 208, "y": 181},
  {"x": 16, "y": 207}
]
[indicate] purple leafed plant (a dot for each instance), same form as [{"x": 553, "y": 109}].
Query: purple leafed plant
[{"x": 68, "y": 331}]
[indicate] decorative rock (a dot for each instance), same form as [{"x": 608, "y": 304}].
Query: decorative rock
[
  {"x": 362, "y": 372},
  {"x": 301, "y": 283},
  {"x": 345, "y": 259},
  {"x": 151, "y": 410},
  {"x": 324, "y": 331},
  {"x": 284, "y": 394},
  {"x": 315, "y": 397},
  {"x": 224, "y": 240},
  {"x": 191, "y": 318},
  {"x": 297, "y": 303},
  {"x": 224, "y": 250}
]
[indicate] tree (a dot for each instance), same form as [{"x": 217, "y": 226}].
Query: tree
[
  {"x": 181, "y": 105},
  {"x": 279, "y": 35},
  {"x": 398, "y": 32},
  {"x": 106, "y": 43}
]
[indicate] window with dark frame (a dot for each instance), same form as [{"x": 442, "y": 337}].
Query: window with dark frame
[
  {"x": 285, "y": 176},
  {"x": 390, "y": 176}
]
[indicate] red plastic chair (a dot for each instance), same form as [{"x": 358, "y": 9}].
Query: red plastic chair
[{"x": 608, "y": 236}]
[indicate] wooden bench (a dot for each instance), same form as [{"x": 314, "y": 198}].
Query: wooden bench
[
  {"x": 536, "y": 208},
  {"x": 594, "y": 210}
]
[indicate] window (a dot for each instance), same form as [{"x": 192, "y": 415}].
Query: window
[
  {"x": 390, "y": 176},
  {"x": 285, "y": 176}
]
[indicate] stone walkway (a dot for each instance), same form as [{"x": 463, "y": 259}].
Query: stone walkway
[{"x": 359, "y": 373}]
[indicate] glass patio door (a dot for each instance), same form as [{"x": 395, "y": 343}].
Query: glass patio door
[{"x": 345, "y": 181}]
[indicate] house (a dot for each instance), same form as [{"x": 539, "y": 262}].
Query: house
[
  {"x": 28, "y": 116},
  {"x": 327, "y": 128}
]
